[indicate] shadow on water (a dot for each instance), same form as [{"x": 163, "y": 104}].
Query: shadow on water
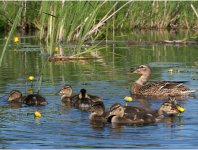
[{"x": 64, "y": 127}]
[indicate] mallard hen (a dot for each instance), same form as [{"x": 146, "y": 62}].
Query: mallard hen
[{"x": 161, "y": 89}]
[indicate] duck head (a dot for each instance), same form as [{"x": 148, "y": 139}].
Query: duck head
[
  {"x": 15, "y": 95},
  {"x": 83, "y": 94},
  {"x": 117, "y": 110},
  {"x": 171, "y": 107},
  {"x": 144, "y": 71},
  {"x": 97, "y": 108},
  {"x": 66, "y": 91}
]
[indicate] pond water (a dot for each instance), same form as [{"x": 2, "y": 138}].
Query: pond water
[{"x": 64, "y": 127}]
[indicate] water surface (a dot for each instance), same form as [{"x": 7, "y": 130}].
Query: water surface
[{"x": 64, "y": 127}]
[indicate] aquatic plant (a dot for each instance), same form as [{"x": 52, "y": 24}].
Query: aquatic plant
[{"x": 10, "y": 34}]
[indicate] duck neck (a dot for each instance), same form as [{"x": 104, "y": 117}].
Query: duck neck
[
  {"x": 64, "y": 96},
  {"x": 143, "y": 79},
  {"x": 160, "y": 111}
]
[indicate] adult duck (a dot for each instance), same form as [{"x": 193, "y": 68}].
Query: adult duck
[
  {"x": 136, "y": 115},
  {"x": 161, "y": 89}
]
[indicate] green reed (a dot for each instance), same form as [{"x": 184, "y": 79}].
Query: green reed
[
  {"x": 10, "y": 34},
  {"x": 65, "y": 22}
]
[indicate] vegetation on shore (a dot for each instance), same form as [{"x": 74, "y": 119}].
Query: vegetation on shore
[{"x": 79, "y": 21}]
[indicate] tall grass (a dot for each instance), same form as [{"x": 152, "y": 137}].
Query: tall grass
[
  {"x": 64, "y": 22},
  {"x": 74, "y": 22},
  {"x": 10, "y": 34}
]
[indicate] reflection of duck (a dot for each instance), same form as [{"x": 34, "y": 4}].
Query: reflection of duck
[
  {"x": 162, "y": 89},
  {"x": 136, "y": 115},
  {"x": 98, "y": 113},
  {"x": 81, "y": 100},
  {"x": 30, "y": 100}
]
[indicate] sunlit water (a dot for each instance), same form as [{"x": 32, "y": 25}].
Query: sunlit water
[{"x": 64, "y": 127}]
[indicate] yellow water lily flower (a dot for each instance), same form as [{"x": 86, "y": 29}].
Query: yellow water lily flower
[
  {"x": 180, "y": 109},
  {"x": 31, "y": 78},
  {"x": 128, "y": 99},
  {"x": 16, "y": 39},
  {"x": 37, "y": 114},
  {"x": 170, "y": 70},
  {"x": 56, "y": 49}
]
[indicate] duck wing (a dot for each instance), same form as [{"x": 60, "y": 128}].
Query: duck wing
[
  {"x": 165, "y": 86},
  {"x": 137, "y": 114},
  {"x": 94, "y": 98}
]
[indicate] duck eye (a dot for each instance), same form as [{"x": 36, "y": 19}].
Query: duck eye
[{"x": 141, "y": 67}]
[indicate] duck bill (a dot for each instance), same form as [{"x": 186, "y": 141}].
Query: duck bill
[{"x": 133, "y": 71}]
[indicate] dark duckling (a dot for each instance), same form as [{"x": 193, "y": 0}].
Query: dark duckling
[
  {"x": 161, "y": 89},
  {"x": 135, "y": 115},
  {"x": 82, "y": 100},
  {"x": 98, "y": 113},
  {"x": 35, "y": 100}
]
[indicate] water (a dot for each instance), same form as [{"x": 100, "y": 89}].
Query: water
[{"x": 64, "y": 127}]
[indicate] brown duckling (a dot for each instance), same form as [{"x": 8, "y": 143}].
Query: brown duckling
[
  {"x": 98, "y": 113},
  {"x": 15, "y": 96},
  {"x": 135, "y": 115},
  {"x": 66, "y": 94},
  {"x": 161, "y": 89}
]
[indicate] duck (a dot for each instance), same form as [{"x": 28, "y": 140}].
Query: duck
[
  {"x": 98, "y": 113},
  {"x": 35, "y": 100},
  {"x": 16, "y": 96},
  {"x": 136, "y": 115},
  {"x": 66, "y": 94},
  {"x": 82, "y": 100},
  {"x": 160, "y": 89}
]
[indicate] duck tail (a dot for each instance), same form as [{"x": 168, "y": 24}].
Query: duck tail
[{"x": 189, "y": 91}]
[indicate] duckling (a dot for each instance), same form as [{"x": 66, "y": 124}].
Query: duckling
[
  {"x": 34, "y": 100},
  {"x": 15, "y": 99},
  {"x": 136, "y": 115},
  {"x": 82, "y": 100},
  {"x": 66, "y": 93},
  {"x": 15, "y": 96},
  {"x": 98, "y": 113},
  {"x": 161, "y": 89}
]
